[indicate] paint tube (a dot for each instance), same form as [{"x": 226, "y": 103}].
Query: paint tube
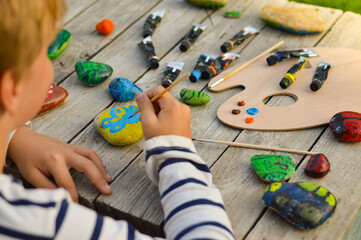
[
  {"x": 148, "y": 47},
  {"x": 193, "y": 34},
  {"x": 320, "y": 76},
  {"x": 219, "y": 65},
  {"x": 171, "y": 73},
  {"x": 238, "y": 38},
  {"x": 290, "y": 76},
  {"x": 152, "y": 23},
  {"x": 282, "y": 55},
  {"x": 203, "y": 63}
]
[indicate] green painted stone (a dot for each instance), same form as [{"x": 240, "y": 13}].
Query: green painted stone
[
  {"x": 273, "y": 168},
  {"x": 194, "y": 97},
  {"x": 92, "y": 73},
  {"x": 209, "y": 3},
  {"x": 305, "y": 204},
  {"x": 60, "y": 43}
]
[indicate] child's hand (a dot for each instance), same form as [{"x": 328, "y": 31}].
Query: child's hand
[
  {"x": 166, "y": 116},
  {"x": 38, "y": 157}
]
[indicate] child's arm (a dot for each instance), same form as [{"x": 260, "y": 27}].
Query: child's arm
[
  {"x": 192, "y": 204},
  {"x": 39, "y": 157}
]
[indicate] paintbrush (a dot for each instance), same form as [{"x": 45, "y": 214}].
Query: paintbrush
[
  {"x": 246, "y": 64},
  {"x": 253, "y": 146},
  {"x": 155, "y": 98}
]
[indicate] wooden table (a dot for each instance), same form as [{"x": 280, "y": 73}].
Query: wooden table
[{"x": 134, "y": 197}]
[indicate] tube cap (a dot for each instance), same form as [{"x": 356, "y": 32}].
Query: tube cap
[
  {"x": 184, "y": 45},
  {"x": 154, "y": 63},
  {"x": 285, "y": 83},
  {"x": 315, "y": 85},
  {"x": 195, "y": 75},
  {"x": 166, "y": 82},
  {"x": 226, "y": 47},
  {"x": 272, "y": 60},
  {"x": 208, "y": 73},
  {"x": 147, "y": 32}
]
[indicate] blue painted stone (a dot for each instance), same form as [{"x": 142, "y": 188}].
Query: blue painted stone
[
  {"x": 252, "y": 111},
  {"x": 305, "y": 204},
  {"x": 122, "y": 89}
]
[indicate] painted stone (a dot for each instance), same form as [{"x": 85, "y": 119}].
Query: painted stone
[
  {"x": 346, "y": 126},
  {"x": 59, "y": 44},
  {"x": 92, "y": 73},
  {"x": 318, "y": 166},
  {"x": 252, "y": 111},
  {"x": 294, "y": 19},
  {"x": 273, "y": 168},
  {"x": 122, "y": 89},
  {"x": 56, "y": 96},
  {"x": 116, "y": 126},
  {"x": 194, "y": 97},
  {"x": 305, "y": 204},
  {"x": 209, "y": 3}
]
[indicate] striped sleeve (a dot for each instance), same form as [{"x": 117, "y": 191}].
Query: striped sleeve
[
  {"x": 192, "y": 204},
  {"x": 40, "y": 214}
]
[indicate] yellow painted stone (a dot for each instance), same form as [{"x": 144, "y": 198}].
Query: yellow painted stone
[
  {"x": 117, "y": 127},
  {"x": 294, "y": 19}
]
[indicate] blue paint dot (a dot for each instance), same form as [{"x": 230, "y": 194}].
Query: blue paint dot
[{"x": 252, "y": 111}]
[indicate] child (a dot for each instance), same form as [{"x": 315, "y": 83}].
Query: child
[{"x": 193, "y": 206}]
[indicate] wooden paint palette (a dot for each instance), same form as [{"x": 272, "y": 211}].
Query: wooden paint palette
[{"x": 340, "y": 92}]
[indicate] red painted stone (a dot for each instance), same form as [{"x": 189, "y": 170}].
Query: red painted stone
[
  {"x": 346, "y": 126},
  {"x": 318, "y": 166},
  {"x": 53, "y": 100}
]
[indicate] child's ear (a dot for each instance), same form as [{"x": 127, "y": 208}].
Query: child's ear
[{"x": 9, "y": 93}]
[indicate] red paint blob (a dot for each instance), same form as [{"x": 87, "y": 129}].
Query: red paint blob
[
  {"x": 249, "y": 120},
  {"x": 105, "y": 27}
]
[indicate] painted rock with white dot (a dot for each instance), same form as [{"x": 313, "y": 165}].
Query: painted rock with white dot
[
  {"x": 116, "y": 125},
  {"x": 346, "y": 126},
  {"x": 306, "y": 205}
]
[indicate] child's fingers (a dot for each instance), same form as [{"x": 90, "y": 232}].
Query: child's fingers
[
  {"x": 63, "y": 179},
  {"x": 146, "y": 107},
  {"x": 94, "y": 157},
  {"x": 39, "y": 180},
  {"x": 84, "y": 165}
]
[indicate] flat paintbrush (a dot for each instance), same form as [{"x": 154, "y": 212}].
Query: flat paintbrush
[
  {"x": 246, "y": 145},
  {"x": 155, "y": 98}
]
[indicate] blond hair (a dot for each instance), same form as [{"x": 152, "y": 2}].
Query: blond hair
[{"x": 26, "y": 26}]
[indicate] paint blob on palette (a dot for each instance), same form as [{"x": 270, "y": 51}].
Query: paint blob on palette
[
  {"x": 117, "y": 126},
  {"x": 194, "y": 97},
  {"x": 273, "y": 168},
  {"x": 294, "y": 19},
  {"x": 92, "y": 73},
  {"x": 59, "y": 44},
  {"x": 305, "y": 204},
  {"x": 121, "y": 89}
]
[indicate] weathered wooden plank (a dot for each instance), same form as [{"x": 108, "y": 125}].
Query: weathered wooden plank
[
  {"x": 354, "y": 231},
  {"x": 86, "y": 41},
  {"x": 76, "y": 7},
  {"x": 343, "y": 180}
]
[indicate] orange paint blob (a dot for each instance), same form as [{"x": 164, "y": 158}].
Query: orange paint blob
[
  {"x": 105, "y": 27},
  {"x": 249, "y": 120}
]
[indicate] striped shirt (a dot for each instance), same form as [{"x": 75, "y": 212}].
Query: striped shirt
[{"x": 192, "y": 204}]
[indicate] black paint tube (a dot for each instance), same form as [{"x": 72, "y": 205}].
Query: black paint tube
[
  {"x": 203, "y": 63},
  {"x": 238, "y": 38},
  {"x": 148, "y": 47},
  {"x": 282, "y": 55},
  {"x": 171, "y": 73},
  {"x": 320, "y": 76},
  {"x": 219, "y": 65},
  {"x": 152, "y": 23},
  {"x": 190, "y": 38},
  {"x": 290, "y": 76}
]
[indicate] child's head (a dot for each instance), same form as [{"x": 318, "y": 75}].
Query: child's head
[{"x": 27, "y": 27}]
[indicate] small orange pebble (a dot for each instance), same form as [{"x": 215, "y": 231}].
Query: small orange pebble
[
  {"x": 105, "y": 27},
  {"x": 242, "y": 103},
  {"x": 249, "y": 120}
]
